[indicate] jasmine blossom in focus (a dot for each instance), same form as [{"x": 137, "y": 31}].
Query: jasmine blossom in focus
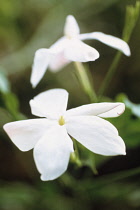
[{"x": 50, "y": 136}]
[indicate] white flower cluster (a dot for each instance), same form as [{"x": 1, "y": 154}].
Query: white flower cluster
[
  {"x": 71, "y": 48},
  {"x": 50, "y": 135}
]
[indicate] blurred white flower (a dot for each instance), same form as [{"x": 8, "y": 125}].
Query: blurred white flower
[
  {"x": 50, "y": 136},
  {"x": 71, "y": 48}
]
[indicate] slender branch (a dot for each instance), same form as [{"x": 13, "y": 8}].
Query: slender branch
[
  {"x": 132, "y": 14},
  {"x": 114, "y": 177},
  {"x": 110, "y": 74},
  {"x": 85, "y": 82}
]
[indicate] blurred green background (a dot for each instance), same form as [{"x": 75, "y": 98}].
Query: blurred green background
[{"x": 26, "y": 26}]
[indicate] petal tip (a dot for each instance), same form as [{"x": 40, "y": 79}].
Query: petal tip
[
  {"x": 125, "y": 49},
  {"x": 9, "y": 132},
  {"x": 34, "y": 84},
  {"x": 71, "y": 27},
  {"x": 43, "y": 178},
  {"x": 70, "y": 16},
  {"x": 30, "y": 102},
  {"x": 127, "y": 52},
  {"x": 6, "y": 127},
  {"x": 123, "y": 153},
  {"x": 119, "y": 152},
  {"x": 122, "y": 109},
  {"x": 122, "y": 150},
  {"x": 92, "y": 56},
  {"x": 40, "y": 64}
]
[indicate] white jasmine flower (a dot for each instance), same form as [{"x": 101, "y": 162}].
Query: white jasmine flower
[
  {"x": 51, "y": 136},
  {"x": 71, "y": 48}
]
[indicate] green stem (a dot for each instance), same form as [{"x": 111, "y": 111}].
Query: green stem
[
  {"x": 85, "y": 82},
  {"x": 132, "y": 14},
  {"x": 109, "y": 74},
  {"x": 108, "y": 179},
  {"x": 94, "y": 169},
  {"x": 75, "y": 156}
]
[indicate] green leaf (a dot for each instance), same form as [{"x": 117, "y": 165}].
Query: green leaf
[
  {"x": 9, "y": 100},
  {"x": 4, "y": 117},
  {"x": 11, "y": 104},
  {"x": 135, "y": 108},
  {"x": 4, "y": 83},
  {"x": 127, "y": 125}
]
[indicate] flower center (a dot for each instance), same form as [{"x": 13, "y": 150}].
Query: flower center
[
  {"x": 69, "y": 37},
  {"x": 61, "y": 121}
]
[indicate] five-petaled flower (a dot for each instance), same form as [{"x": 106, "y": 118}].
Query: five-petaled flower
[
  {"x": 71, "y": 48},
  {"x": 51, "y": 135}
]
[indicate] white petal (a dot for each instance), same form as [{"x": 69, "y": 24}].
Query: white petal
[
  {"x": 59, "y": 60},
  {"x": 109, "y": 40},
  {"x": 52, "y": 153},
  {"x": 116, "y": 110},
  {"x": 25, "y": 134},
  {"x": 41, "y": 62},
  {"x": 51, "y": 104},
  {"x": 98, "y": 109},
  {"x": 78, "y": 51},
  {"x": 59, "y": 45},
  {"x": 71, "y": 28},
  {"x": 96, "y": 134}
]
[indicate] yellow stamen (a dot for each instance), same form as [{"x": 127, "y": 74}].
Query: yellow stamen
[{"x": 61, "y": 121}]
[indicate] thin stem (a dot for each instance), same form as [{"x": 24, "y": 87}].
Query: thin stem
[
  {"x": 85, "y": 82},
  {"x": 132, "y": 14},
  {"x": 94, "y": 169},
  {"x": 100, "y": 182},
  {"x": 89, "y": 162},
  {"x": 110, "y": 74},
  {"x": 76, "y": 156},
  {"x": 114, "y": 177}
]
